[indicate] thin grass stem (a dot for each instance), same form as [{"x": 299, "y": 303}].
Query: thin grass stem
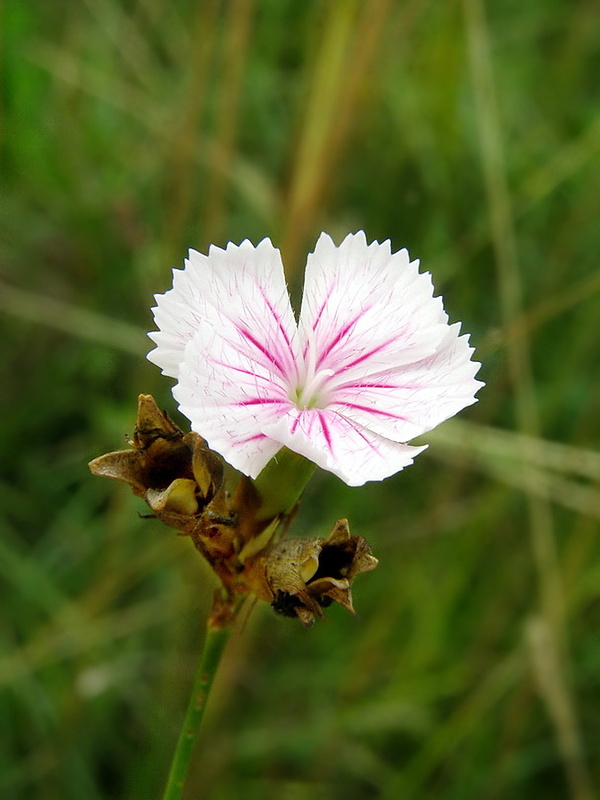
[{"x": 557, "y": 693}]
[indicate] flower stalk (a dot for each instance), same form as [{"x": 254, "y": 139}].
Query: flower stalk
[
  {"x": 214, "y": 646},
  {"x": 279, "y": 488},
  {"x": 281, "y": 483}
]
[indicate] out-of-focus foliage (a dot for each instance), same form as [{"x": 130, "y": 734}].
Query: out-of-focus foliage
[{"x": 471, "y": 134}]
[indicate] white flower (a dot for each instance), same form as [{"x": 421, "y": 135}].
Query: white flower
[{"x": 371, "y": 363}]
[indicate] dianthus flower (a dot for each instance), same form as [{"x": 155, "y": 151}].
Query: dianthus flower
[{"x": 371, "y": 363}]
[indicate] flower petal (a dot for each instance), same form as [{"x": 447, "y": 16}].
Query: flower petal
[
  {"x": 365, "y": 309},
  {"x": 236, "y": 369},
  {"x": 245, "y": 282},
  {"x": 229, "y": 398},
  {"x": 353, "y": 453},
  {"x": 403, "y": 403}
]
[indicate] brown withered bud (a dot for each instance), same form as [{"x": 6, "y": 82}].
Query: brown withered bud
[
  {"x": 307, "y": 575},
  {"x": 176, "y": 473}
]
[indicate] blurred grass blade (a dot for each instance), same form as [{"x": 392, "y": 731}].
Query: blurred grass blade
[
  {"x": 497, "y": 445},
  {"x": 519, "y": 358},
  {"x": 79, "y": 322}
]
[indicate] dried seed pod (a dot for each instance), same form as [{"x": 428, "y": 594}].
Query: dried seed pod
[
  {"x": 176, "y": 473},
  {"x": 306, "y": 575}
]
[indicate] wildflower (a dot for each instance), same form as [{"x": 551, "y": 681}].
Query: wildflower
[{"x": 371, "y": 363}]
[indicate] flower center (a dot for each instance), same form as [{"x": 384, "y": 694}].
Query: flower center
[{"x": 308, "y": 393}]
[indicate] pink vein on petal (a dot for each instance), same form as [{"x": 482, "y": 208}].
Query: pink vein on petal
[
  {"x": 362, "y": 385},
  {"x": 376, "y": 411},
  {"x": 341, "y": 333},
  {"x": 255, "y": 438},
  {"x": 326, "y": 431},
  {"x": 277, "y": 318},
  {"x": 366, "y": 356},
  {"x": 260, "y": 401},
  {"x": 241, "y": 370},
  {"x": 260, "y": 347},
  {"x": 362, "y": 436},
  {"x": 321, "y": 310}
]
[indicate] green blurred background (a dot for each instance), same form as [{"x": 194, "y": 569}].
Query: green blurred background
[{"x": 468, "y": 132}]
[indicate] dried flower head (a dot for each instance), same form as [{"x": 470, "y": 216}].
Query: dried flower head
[
  {"x": 371, "y": 363},
  {"x": 176, "y": 473},
  {"x": 307, "y": 575},
  {"x": 181, "y": 479}
]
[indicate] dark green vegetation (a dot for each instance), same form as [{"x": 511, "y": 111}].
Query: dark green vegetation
[{"x": 135, "y": 129}]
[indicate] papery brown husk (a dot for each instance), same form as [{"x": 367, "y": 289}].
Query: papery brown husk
[
  {"x": 182, "y": 481},
  {"x": 307, "y": 575}
]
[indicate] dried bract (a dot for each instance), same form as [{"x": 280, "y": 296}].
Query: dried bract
[
  {"x": 307, "y": 575},
  {"x": 181, "y": 479},
  {"x": 175, "y": 473}
]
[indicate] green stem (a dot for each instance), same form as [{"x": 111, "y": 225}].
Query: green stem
[
  {"x": 281, "y": 483},
  {"x": 214, "y": 645}
]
